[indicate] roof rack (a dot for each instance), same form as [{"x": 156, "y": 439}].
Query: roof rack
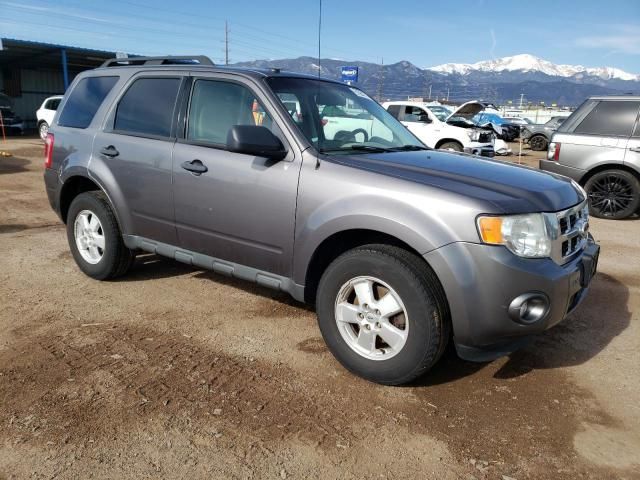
[{"x": 170, "y": 60}]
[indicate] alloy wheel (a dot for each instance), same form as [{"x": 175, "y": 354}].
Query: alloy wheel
[
  {"x": 610, "y": 195},
  {"x": 371, "y": 318},
  {"x": 89, "y": 236}
]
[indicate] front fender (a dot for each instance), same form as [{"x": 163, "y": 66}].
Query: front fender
[{"x": 336, "y": 198}]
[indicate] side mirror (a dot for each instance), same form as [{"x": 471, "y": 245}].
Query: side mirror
[
  {"x": 255, "y": 140},
  {"x": 424, "y": 119}
]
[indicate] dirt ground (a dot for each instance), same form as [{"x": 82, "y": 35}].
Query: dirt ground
[{"x": 173, "y": 372}]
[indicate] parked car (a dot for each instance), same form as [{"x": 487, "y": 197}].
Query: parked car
[
  {"x": 538, "y": 135},
  {"x": 11, "y": 121},
  {"x": 509, "y": 131},
  {"x": 45, "y": 114},
  {"x": 435, "y": 133},
  {"x": 391, "y": 241},
  {"x": 599, "y": 147},
  {"x": 518, "y": 121}
]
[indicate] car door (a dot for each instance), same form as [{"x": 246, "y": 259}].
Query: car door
[
  {"x": 242, "y": 208},
  {"x": 420, "y": 123},
  {"x": 133, "y": 154}
]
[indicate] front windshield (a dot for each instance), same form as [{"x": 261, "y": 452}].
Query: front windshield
[
  {"x": 337, "y": 118},
  {"x": 442, "y": 113}
]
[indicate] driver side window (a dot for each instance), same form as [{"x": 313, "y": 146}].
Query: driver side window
[
  {"x": 416, "y": 114},
  {"x": 216, "y": 106}
]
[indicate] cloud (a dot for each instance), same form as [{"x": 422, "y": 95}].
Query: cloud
[{"x": 622, "y": 39}]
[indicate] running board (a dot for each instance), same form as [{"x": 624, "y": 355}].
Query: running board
[{"x": 222, "y": 267}]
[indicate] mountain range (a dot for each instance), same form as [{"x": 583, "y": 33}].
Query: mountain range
[{"x": 519, "y": 77}]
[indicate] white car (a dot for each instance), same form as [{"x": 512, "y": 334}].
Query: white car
[
  {"x": 45, "y": 114},
  {"x": 436, "y": 132}
]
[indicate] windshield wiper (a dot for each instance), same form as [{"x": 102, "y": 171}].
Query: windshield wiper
[
  {"x": 410, "y": 148},
  {"x": 370, "y": 148}
]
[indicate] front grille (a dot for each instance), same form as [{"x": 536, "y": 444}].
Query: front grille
[
  {"x": 571, "y": 233},
  {"x": 484, "y": 138}
]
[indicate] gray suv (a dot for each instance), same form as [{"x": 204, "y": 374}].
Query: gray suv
[
  {"x": 400, "y": 248},
  {"x": 599, "y": 147}
]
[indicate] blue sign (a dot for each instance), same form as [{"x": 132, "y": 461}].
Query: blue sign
[{"x": 349, "y": 74}]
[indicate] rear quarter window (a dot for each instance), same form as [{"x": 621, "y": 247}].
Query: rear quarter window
[
  {"x": 610, "y": 118},
  {"x": 84, "y": 101}
]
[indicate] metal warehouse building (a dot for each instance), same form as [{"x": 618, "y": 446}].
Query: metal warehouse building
[{"x": 33, "y": 71}]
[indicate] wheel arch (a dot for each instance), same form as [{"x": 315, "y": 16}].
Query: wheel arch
[
  {"x": 608, "y": 166},
  {"x": 340, "y": 242},
  {"x": 74, "y": 186},
  {"x": 442, "y": 141}
]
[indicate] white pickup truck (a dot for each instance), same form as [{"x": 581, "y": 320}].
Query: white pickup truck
[{"x": 437, "y": 133}]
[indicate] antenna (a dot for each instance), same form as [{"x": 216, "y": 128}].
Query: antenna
[
  {"x": 319, "y": 32},
  {"x": 226, "y": 43}
]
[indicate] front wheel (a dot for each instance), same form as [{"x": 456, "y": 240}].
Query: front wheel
[
  {"x": 383, "y": 314},
  {"x": 613, "y": 194},
  {"x": 95, "y": 239},
  {"x": 452, "y": 146}
]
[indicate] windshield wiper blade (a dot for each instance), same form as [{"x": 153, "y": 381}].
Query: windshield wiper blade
[
  {"x": 409, "y": 148},
  {"x": 370, "y": 148}
]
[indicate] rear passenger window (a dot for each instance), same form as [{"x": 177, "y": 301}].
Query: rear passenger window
[
  {"x": 613, "y": 118},
  {"x": 147, "y": 107},
  {"x": 217, "y": 106},
  {"x": 84, "y": 101}
]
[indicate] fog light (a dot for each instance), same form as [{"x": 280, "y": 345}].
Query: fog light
[{"x": 529, "y": 308}]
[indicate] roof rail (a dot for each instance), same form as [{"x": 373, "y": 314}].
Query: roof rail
[{"x": 170, "y": 60}]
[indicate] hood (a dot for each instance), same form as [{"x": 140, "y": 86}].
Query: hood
[
  {"x": 467, "y": 110},
  {"x": 505, "y": 187},
  {"x": 463, "y": 115}
]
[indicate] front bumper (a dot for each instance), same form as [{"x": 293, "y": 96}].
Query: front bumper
[
  {"x": 480, "y": 149},
  {"x": 480, "y": 282}
]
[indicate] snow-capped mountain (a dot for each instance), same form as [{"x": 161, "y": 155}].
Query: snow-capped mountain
[{"x": 530, "y": 63}]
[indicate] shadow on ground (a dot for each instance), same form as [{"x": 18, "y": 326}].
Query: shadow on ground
[
  {"x": 13, "y": 165},
  {"x": 580, "y": 337}
]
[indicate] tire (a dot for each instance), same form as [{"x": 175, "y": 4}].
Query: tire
[
  {"x": 424, "y": 307},
  {"x": 613, "y": 194},
  {"x": 538, "y": 143},
  {"x": 455, "y": 146},
  {"x": 43, "y": 130},
  {"x": 101, "y": 228}
]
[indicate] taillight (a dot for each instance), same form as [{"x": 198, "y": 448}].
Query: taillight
[
  {"x": 554, "y": 151},
  {"x": 324, "y": 121},
  {"x": 48, "y": 150}
]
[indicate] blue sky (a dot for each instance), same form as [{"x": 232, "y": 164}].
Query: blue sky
[{"x": 591, "y": 33}]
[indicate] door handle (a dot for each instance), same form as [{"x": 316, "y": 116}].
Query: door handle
[
  {"x": 195, "y": 166},
  {"x": 109, "y": 151},
  {"x": 635, "y": 149}
]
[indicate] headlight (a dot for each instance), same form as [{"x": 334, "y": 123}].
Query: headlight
[
  {"x": 474, "y": 135},
  {"x": 579, "y": 188},
  {"x": 525, "y": 235}
]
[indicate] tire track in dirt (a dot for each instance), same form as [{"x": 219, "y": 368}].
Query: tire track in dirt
[{"x": 94, "y": 382}]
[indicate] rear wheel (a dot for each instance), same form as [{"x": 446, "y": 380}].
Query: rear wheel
[
  {"x": 43, "y": 130},
  {"x": 613, "y": 194},
  {"x": 383, "y": 314},
  {"x": 95, "y": 239},
  {"x": 538, "y": 143},
  {"x": 455, "y": 146}
]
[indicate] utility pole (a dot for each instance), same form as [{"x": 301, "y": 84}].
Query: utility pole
[
  {"x": 226, "y": 43},
  {"x": 381, "y": 81},
  {"x": 521, "y": 97},
  {"x": 430, "y": 91},
  {"x": 447, "y": 93}
]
